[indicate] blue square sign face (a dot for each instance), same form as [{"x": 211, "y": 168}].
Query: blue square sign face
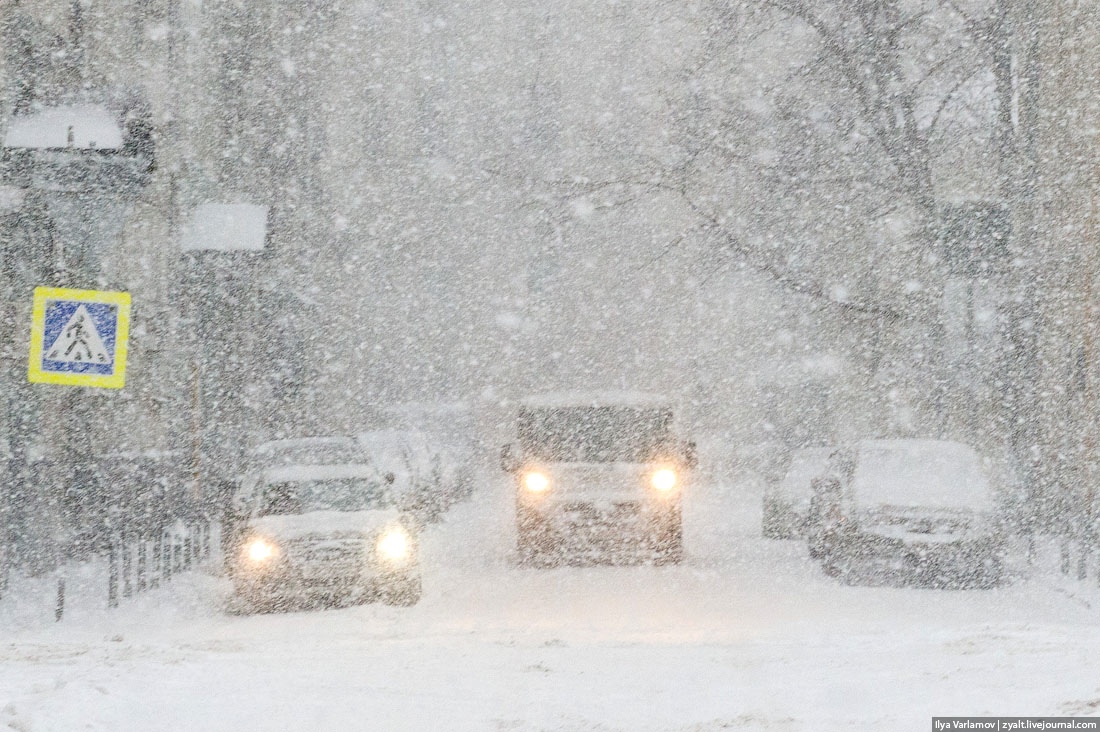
[{"x": 78, "y": 337}]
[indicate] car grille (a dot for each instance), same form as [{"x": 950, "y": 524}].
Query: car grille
[
  {"x": 598, "y": 479},
  {"x": 586, "y": 512},
  {"x": 926, "y": 524},
  {"x": 327, "y": 551}
]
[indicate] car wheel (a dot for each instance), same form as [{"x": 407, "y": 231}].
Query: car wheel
[
  {"x": 824, "y": 542},
  {"x": 250, "y": 602},
  {"x": 815, "y": 545},
  {"x": 771, "y": 524},
  {"x": 669, "y": 540},
  {"x": 833, "y": 566},
  {"x": 533, "y": 539},
  {"x": 835, "y": 562},
  {"x": 525, "y": 543},
  {"x": 991, "y": 574},
  {"x": 404, "y": 592},
  {"x": 530, "y": 547}
]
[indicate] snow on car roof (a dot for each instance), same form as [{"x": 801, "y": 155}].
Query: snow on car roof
[
  {"x": 298, "y": 443},
  {"x": 391, "y": 438},
  {"x": 921, "y": 472},
  {"x": 297, "y": 473},
  {"x": 595, "y": 399}
]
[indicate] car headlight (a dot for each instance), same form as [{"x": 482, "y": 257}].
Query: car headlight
[
  {"x": 260, "y": 550},
  {"x": 536, "y": 482},
  {"x": 394, "y": 544},
  {"x": 663, "y": 480}
]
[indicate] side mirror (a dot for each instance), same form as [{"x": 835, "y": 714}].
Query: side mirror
[
  {"x": 509, "y": 461},
  {"x": 691, "y": 455}
]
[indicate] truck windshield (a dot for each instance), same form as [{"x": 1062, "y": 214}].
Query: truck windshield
[
  {"x": 333, "y": 494},
  {"x": 595, "y": 434}
]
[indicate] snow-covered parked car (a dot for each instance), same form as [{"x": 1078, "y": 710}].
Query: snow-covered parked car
[
  {"x": 442, "y": 473},
  {"x": 603, "y": 469},
  {"x": 426, "y": 478},
  {"x": 450, "y": 430},
  {"x": 396, "y": 464},
  {"x": 328, "y": 532},
  {"x": 786, "y": 502},
  {"x": 907, "y": 505}
]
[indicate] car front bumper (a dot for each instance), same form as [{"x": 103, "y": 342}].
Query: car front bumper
[
  {"x": 291, "y": 580},
  {"x": 947, "y": 553}
]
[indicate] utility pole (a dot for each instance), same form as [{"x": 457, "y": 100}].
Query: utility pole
[{"x": 77, "y": 173}]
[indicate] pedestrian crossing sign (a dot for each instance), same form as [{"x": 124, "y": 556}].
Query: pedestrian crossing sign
[{"x": 79, "y": 337}]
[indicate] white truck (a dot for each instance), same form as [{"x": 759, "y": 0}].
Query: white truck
[{"x": 604, "y": 471}]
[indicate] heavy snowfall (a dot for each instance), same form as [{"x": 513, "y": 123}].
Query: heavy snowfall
[{"x": 650, "y": 365}]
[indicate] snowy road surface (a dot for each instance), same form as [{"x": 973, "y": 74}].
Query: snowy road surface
[{"x": 747, "y": 634}]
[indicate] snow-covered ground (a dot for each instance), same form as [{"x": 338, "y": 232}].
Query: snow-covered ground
[{"x": 747, "y": 634}]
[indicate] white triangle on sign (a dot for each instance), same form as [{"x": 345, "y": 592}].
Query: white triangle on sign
[{"x": 79, "y": 341}]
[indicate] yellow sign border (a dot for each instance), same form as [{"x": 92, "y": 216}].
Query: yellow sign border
[{"x": 42, "y": 295}]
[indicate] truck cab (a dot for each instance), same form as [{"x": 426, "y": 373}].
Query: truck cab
[{"x": 600, "y": 472}]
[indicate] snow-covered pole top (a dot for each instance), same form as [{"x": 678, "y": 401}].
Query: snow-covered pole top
[{"x": 225, "y": 227}]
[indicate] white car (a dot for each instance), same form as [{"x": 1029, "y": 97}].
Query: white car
[
  {"x": 787, "y": 502},
  {"x": 905, "y": 506},
  {"x": 330, "y": 532}
]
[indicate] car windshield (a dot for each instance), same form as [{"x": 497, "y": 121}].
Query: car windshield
[
  {"x": 932, "y": 475},
  {"x": 331, "y": 494},
  {"x": 595, "y": 434}
]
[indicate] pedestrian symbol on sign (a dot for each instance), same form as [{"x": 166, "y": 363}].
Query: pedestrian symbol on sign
[
  {"x": 79, "y": 341},
  {"x": 78, "y": 337}
]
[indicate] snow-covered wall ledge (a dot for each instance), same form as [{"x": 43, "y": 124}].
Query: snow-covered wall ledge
[{"x": 82, "y": 126}]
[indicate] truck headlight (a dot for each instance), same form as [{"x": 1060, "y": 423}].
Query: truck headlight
[
  {"x": 536, "y": 482},
  {"x": 394, "y": 544},
  {"x": 260, "y": 550},
  {"x": 663, "y": 480}
]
